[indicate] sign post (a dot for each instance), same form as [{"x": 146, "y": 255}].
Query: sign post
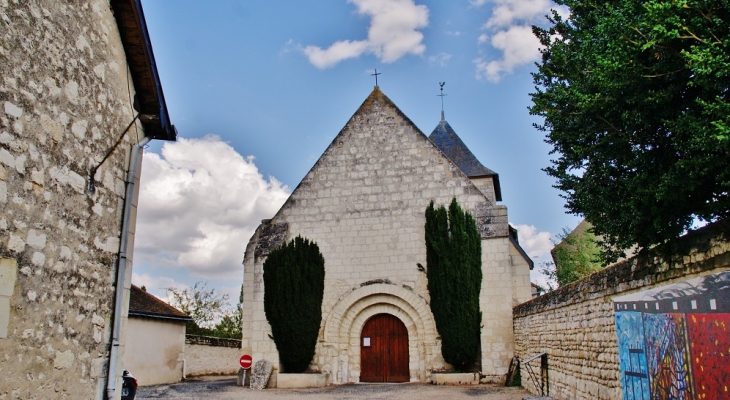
[{"x": 245, "y": 362}]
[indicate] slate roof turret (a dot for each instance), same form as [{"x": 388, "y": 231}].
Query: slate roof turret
[{"x": 446, "y": 139}]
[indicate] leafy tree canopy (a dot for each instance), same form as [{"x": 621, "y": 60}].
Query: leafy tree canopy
[
  {"x": 210, "y": 311},
  {"x": 634, "y": 96},
  {"x": 576, "y": 255},
  {"x": 230, "y": 325},
  {"x": 202, "y": 305}
]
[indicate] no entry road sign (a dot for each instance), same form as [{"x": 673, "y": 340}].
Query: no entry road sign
[{"x": 245, "y": 361}]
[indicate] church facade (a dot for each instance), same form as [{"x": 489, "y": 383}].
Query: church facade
[{"x": 363, "y": 203}]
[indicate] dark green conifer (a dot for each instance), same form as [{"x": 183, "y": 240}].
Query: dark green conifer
[
  {"x": 454, "y": 271},
  {"x": 293, "y": 291}
]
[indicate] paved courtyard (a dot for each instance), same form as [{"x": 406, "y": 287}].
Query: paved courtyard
[{"x": 225, "y": 388}]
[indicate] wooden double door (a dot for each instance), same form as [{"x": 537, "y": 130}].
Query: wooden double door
[{"x": 384, "y": 350}]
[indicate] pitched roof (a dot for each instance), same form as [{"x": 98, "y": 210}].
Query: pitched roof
[
  {"x": 143, "y": 304},
  {"x": 378, "y": 121},
  {"x": 149, "y": 99},
  {"x": 446, "y": 139}
]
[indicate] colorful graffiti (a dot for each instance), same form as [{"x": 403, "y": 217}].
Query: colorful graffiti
[{"x": 674, "y": 341}]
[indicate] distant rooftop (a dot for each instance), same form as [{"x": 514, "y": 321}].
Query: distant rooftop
[{"x": 143, "y": 304}]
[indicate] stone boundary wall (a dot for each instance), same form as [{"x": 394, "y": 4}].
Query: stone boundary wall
[
  {"x": 575, "y": 324},
  {"x": 212, "y": 341},
  {"x": 206, "y": 355}
]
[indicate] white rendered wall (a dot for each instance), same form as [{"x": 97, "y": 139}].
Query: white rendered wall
[{"x": 155, "y": 350}]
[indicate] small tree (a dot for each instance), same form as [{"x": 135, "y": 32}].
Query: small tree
[
  {"x": 230, "y": 325},
  {"x": 453, "y": 256},
  {"x": 202, "y": 305},
  {"x": 576, "y": 255},
  {"x": 293, "y": 292}
]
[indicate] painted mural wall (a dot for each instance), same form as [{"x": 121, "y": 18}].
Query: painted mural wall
[{"x": 674, "y": 340}]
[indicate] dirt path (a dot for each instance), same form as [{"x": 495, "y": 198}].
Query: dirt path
[{"x": 225, "y": 388}]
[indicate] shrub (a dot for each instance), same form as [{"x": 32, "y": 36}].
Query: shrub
[
  {"x": 454, "y": 271},
  {"x": 293, "y": 291}
]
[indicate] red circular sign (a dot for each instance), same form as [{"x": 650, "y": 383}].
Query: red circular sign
[{"x": 245, "y": 361}]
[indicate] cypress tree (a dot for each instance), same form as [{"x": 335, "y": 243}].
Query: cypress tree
[
  {"x": 293, "y": 292},
  {"x": 453, "y": 257}
]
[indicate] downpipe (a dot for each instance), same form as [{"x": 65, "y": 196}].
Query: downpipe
[{"x": 122, "y": 261}]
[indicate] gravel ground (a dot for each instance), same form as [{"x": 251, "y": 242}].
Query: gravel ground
[{"x": 225, "y": 388}]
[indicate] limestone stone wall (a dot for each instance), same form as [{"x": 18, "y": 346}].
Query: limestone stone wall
[
  {"x": 363, "y": 203},
  {"x": 575, "y": 325},
  {"x": 211, "y": 356},
  {"x": 505, "y": 283},
  {"x": 486, "y": 186},
  {"x": 64, "y": 102}
]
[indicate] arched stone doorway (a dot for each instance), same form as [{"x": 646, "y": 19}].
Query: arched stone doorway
[
  {"x": 384, "y": 350},
  {"x": 341, "y": 338}
]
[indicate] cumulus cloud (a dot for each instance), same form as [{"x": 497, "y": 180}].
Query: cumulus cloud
[
  {"x": 393, "y": 33},
  {"x": 200, "y": 201},
  {"x": 156, "y": 285},
  {"x": 536, "y": 244},
  {"x": 518, "y": 46},
  {"x": 440, "y": 59},
  {"x": 509, "y": 12},
  {"x": 510, "y": 28}
]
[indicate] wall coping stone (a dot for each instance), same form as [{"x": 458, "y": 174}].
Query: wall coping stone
[
  {"x": 212, "y": 341},
  {"x": 661, "y": 264}
]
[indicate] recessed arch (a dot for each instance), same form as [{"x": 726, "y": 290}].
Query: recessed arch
[{"x": 345, "y": 322}]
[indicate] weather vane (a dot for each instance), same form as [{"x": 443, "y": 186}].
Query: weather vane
[
  {"x": 376, "y": 76},
  {"x": 442, "y": 98}
]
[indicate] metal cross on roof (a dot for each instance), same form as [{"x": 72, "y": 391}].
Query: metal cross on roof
[
  {"x": 376, "y": 76},
  {"x": 442, "y": 98}
]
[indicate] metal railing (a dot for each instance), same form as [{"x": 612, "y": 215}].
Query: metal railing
[{"x": 544, "y": 382}]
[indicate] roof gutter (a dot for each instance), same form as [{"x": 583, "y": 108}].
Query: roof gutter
[
  {"x": 158, "y": 316},
  {"x": 155, "y": 120},
  {"x": 150, "y": 99}
]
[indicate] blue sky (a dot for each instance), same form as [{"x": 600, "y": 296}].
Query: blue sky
[{"x": 258, "y": 90}]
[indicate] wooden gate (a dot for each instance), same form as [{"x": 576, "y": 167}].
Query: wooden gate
[{"x": 384, "y": 350}]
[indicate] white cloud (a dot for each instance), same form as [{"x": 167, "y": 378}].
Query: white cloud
[
  {"x": 156, "y": 285},
  {"x": 518, "y": 45},
  {"x": 393, "y": 33},
  {"x": 508, "y": 12},
  {"x": 440, "y": 59},
  {"x": 510, "y": 28},
  {"x": 199, "y": 204},
  {"x": 536, "y": 244}
]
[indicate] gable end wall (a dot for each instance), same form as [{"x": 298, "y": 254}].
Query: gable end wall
[{"x": 363, "y": 203}]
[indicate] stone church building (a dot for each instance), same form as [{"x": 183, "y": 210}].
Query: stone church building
[{"x": 363, "y": 203}]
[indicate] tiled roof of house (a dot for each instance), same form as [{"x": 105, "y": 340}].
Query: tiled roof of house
[{"x": 143, "y": 304}]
